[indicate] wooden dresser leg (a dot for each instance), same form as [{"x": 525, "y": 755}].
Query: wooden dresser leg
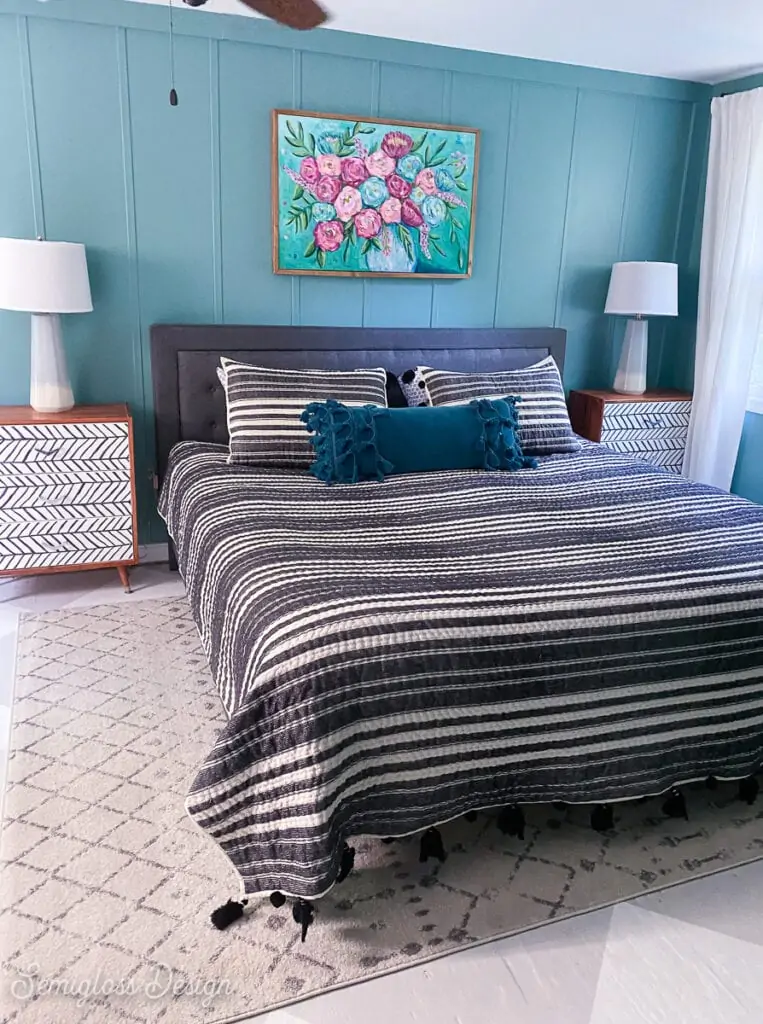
[{"x": 124, "y": 576}]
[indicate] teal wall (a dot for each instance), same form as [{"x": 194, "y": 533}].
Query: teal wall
[{"x": 579, "y": 168}]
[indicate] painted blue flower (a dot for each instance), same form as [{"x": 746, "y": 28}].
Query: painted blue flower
[
  {"x": 328, "y": 142},
  {"x": 433, "y": 210},
  {"x": 373, "y": 192},
  {"x": 323, "y": 212},
  {"x": 418, "y": 195},
  {"x": 445, "y": 182},
  {"x": 409, "y": 166}
]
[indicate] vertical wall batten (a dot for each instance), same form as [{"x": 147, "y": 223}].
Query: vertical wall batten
[
  {"x": 141, "y": 370},
  {"x": 217, "y": 239},
  {"x": 560, "y": 277},
  {"x": 33, "y": 148}
]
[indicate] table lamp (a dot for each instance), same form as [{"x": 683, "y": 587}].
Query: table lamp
[
  {"x": 45, "y": 279},
  {"x": 639, "y": 290}
]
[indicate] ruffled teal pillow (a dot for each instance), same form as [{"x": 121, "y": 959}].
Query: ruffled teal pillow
[{"x": 369, "y": 442}]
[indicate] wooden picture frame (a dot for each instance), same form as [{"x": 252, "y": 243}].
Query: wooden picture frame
[{"x": 372, "y": 197}]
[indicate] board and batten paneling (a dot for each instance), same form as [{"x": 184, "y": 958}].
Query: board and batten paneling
[{"x": 579, "y": 168}]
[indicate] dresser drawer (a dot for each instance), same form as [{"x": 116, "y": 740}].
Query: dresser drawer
[
  {"x": 68, "y": 556},
  {"x": 51, "y": 442},
  {"x": 650, "y": 416}
]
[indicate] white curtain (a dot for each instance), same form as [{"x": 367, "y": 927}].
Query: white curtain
[{"x": 730, "y": 288}]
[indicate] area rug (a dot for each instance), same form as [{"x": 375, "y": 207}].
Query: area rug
[{"x": 107, "y": 887}]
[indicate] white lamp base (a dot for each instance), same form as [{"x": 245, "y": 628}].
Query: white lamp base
[
  {"x": 631, "y": 373},
  {"x": 50, "y": 388}
]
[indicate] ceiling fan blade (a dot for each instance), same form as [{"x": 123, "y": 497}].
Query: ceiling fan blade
[{"x": 302, "y": 14}]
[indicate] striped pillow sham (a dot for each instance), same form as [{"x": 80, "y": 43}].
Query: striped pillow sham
[
  {"x": 544, "y": 424},
  {"x": 264, "y": 408}
]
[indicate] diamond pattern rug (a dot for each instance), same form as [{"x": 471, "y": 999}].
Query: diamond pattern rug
[{"x": 107, "y": 887}]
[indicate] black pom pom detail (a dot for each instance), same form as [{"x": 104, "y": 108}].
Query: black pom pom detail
[
  {"x": 407, "y": 377},
  {"x": 304, "y": 915},
  {"x": 511, "y": 821},
  {"x": 347, "y": 864},
  {"x": 227, "y": 914},
  {"x": 602, "y": 818},
  {"x": 431, "y": 846},
  {"x": 749, "y": 789},
  {"x": 711, "y": 782},
  {"x": 471, "y": 816},
  {"x": 277, "y": 899},
  {"x": 675, "y": 805}
]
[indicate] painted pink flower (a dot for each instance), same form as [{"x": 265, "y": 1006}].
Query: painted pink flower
[
  {"x": 348, "y": 203},
  {"x": 353, "y": 170},
  {"x": 328, "y": 235},
  {"x": 327, "y": 188},
  {"x": 308, "y": 169},
  {"x": 397, "y": 144},
  {"x": 391, "y": 211},
  {"x": 411, "y": 214},
  {"x": 379, "y": 165},
  {"x": 425, "y": 181},
  {"x": 398, "y": 187},
  {"x": 368, "y": 224},
  {"x": 329, "y": 164}
]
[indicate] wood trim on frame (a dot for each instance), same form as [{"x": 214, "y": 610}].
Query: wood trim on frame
[{"x": 374, "y": 275}]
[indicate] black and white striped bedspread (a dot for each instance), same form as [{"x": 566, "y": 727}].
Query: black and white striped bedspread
[{"x": 392, "y": 655}]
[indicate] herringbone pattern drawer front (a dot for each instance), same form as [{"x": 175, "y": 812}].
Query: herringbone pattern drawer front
[
  {"x": 65, "y": 494},
  {"x": 653, "y": 431}
]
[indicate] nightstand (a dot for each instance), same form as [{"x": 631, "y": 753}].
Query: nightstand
[
  {"x": 67, "y": 490},
  {"x": 653, "y": 426}
]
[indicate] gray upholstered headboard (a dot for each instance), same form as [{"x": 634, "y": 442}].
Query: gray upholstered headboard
[{"x": 189, "y": 403}]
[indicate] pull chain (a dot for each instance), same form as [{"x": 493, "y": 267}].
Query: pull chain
[{"x": 173, "y": 90}]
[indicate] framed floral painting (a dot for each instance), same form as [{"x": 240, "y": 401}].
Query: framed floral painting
[{"x": 363, "y": 197}]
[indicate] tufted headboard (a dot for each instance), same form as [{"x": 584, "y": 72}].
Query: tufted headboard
[{"x": 189, "y": 403}]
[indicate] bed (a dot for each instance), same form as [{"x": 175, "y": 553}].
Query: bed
[{"x": 393, "y": 655}]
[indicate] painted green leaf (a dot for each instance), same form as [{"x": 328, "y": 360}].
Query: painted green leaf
[
  {"x": 366, "y": 131},
  {"x": 301, "y": 131},
  {"x": 310, "y": 250},
  {"x": 365, "y": 247},
  {"x": 346, "y": 151},
  {"x": 459, "y": 173},
  {"x": 460, "y": 184},
  {"x": 426, "y": 157},
  {"x": 376, "y": 243},
  {"x": 298, "y": 191},
  {"x": 355, "y": 129},
  {"x": 321, "y": 258},
  {"x": 419, "y": 143},
  {"x": 291, "y": 129},
  {"x": 311, "y": 143},
  {"x": 460, "y": 259},
  {"x": 440, "y": 148},
  {"x": 436, "y": 161},
  {"x": 346, "y": 250},
  {"x": 405, "y": 237},
  {"x": 436, "y": 247}
]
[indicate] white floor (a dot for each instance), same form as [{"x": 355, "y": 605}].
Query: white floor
[{"x": 689, "y": 955}]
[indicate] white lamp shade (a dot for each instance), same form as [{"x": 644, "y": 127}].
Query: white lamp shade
[
  {"x": 643, "y": 289},
  {"x": 44, "y": 277}
]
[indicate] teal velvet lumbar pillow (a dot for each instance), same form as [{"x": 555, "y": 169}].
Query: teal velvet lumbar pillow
[{"x": 370, "y": 442}]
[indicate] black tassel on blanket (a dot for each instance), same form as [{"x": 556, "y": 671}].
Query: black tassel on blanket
[
  {"x": 749, "y": 789},
  {"x": 511, "y": 821},
  {"x": 227, "y": 914},
  {"x": 304, "y": 915},
  {"x": 602, "y": 818},
  {"x": 347, "y": 863},
  {"x": 675, "y": 805},
  {"x": 431, "y": 846}
]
